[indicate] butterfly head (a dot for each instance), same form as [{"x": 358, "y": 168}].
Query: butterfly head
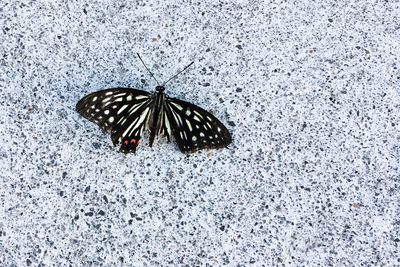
[{"x": 160, "y": 88}]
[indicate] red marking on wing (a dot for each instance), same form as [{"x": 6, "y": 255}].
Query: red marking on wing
[
  {"x": 126, "y": 142},
  {"x": 133, "y": 140}
]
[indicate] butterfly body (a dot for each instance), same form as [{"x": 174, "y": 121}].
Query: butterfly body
[
  {"x": 127, "y": 113},
  {"x": 157, "y": 109}
]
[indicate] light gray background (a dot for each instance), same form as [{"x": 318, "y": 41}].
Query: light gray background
[{"x": 308, "y": 89}]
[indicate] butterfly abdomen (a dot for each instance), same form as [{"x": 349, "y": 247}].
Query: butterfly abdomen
[{"x": 157, "y": 111}]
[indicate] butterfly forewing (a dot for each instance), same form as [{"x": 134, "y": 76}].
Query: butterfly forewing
[
  {"x": 123, "y": 111},
  {"x": 193, "y": 127}
]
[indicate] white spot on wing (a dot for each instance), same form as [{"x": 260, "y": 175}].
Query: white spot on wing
[
  {"x": 107, "y": 111},
  {"x": 120, "y": 94},
  {"x": 105, "y": 100},
  {"x": 111, "y": 119},
  {"x": 198, "y": 114},
  {"x": 143, "y": 115},
  {"x": 122, "y": 109},
  {"x": 189, "y": 125},
  {"x": 176, "y": 117},
  {"x": 133, "y": 109},
  {"x": 94, "y": 98},
  {"x": 129, "y": 98},
  {"x": 177, "y": 106},
  {"x": 109, "y": 93}
]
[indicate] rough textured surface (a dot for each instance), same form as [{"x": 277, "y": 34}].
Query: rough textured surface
[{"x": 309, "y": 90}]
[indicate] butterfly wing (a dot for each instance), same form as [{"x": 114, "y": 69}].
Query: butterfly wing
[
  {"x": 123, "y": 111},
  {"x": 193, "y": 127}
]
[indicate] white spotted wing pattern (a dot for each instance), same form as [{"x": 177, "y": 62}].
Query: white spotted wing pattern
[
  {"x": 127, "y": 113},
  {"x": 123, "y": 111},
  {"x": 194, "y": 128}
]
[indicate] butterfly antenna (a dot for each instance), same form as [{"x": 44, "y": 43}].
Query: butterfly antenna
[
  {"x": 152, "y": 75},
  {"x": 178, "y": 73}
]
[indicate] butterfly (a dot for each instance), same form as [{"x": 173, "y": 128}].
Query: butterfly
[{"x": 127, "y": 113}]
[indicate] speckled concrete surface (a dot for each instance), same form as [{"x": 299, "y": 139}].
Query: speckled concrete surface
[{"x": 309, "y": 90}]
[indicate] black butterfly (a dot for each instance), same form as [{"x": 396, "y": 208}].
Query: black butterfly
[{"x": 128, "y": 112}]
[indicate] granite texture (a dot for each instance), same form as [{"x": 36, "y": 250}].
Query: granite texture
[{"x": 309, "y": 90}]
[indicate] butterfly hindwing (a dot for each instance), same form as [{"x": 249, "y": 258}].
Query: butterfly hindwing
[
  {"x": 130, "y": 129},
  {"x": 123, "y": 111},
  {"x": 194, "y": 128}
]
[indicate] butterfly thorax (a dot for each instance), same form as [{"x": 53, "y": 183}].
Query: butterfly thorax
[{"x": 159, "y": 96}]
